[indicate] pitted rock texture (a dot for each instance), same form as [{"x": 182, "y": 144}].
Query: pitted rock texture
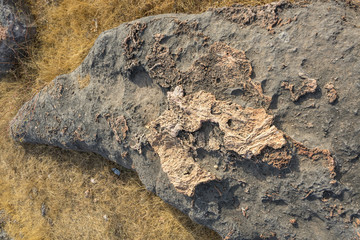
[
  {"x": 16, "y": 31},
  {"x": 228, "y": 115},
  {"x": 246, "y": 132}
]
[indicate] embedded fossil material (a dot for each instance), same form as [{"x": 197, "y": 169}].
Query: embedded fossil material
[
  {"x": 247, "y": 132},
  {"x": 3, "y": 31},
  {"x": 267, "y": 16},
  {"x": 133, "y": 42},
  {"x": 308, "y": 85},
  {"x": 331, "y": 92},
  {"x": 118, "y": 126}
]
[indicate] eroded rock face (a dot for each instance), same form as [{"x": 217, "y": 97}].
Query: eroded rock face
[
  {"x": 16, "y": 31},
  {"x": 224, "y": 115}
]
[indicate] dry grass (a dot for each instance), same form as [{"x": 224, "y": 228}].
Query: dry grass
[
  {"x": 48, "y": 192},
  {"x": 84, "y": 82}
]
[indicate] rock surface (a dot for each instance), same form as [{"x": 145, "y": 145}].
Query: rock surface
[
  {"x": 246, "y": 119},
  {"x": 16, "y": 30}
]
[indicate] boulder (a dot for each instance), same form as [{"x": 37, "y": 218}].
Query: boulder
[
  {"x": 16, "y": 31},
  {"x": 244, "y": 118}
]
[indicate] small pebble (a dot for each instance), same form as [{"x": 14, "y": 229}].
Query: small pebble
[
  {"x": 116, "y": 171},
  {"x": 293, "y": 221},
  {"x": 216, "y": 167},
  {"x": 43, "y": 209},
  {"x": 87, "y": 193}
]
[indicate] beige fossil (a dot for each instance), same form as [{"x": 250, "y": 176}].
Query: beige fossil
[
  {"x": 247, "y": 131},
  {"x": 331, "y": 92},
  {"x": 308, "y": 85}
]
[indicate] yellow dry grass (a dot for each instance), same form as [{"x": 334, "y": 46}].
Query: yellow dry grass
[
  {"x": 49, "y": 193},
  {"x": 83, "y": 82}
]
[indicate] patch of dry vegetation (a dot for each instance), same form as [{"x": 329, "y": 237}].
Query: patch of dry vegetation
[
  {"x": 49, "y": 193},
  {"x": 84, "y": 82}
]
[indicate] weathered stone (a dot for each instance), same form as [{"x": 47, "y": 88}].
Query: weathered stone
[
  {"x": 16, "y": 31},
  {"x": 212, "y": 113}
]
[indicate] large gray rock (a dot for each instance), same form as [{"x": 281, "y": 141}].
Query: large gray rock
[
  {"x": 246, "y": 119},
  {"x": 16, "y": 31}
]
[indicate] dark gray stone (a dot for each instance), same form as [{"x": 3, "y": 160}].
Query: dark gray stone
[
  {"x": 282, "y": 58},
  {"x": 16, "y": 31}
]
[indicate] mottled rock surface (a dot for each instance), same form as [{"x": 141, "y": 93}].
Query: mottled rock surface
[
  {"x": 246, "y": 119},
  {"x": 16, "y": 31}
]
